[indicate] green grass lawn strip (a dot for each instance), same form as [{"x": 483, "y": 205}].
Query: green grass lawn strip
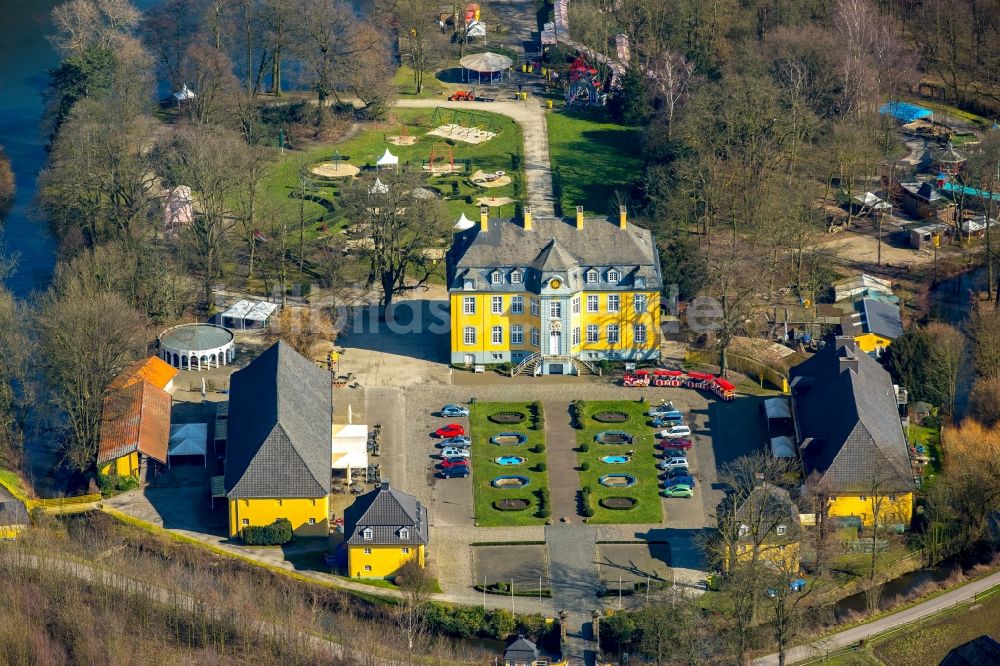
[
  {"x": 642, "y": 466},
  {"x": 485, "y": 469}
]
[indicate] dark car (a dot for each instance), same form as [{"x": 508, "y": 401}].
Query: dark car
[
  {"x": 681, "y": 443},
  {"x": 675, "y": 473},
  {"x": 458, "y": 471},
  {"x": 680, "y": 480}
]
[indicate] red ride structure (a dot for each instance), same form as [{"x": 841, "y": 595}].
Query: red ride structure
[{"x": 704, "y": 381}]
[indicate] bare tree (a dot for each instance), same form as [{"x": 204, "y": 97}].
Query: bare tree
[
  {"x": 948, "y": 353},
  {"x": 210, "y": 73},
  {"x": 421, "y": 43},
  {"x": 418, "y": 585},
  {"x": 786, "y": 602},
  {"x": 84, "y": 23},
  {"x": 671, "y": 74}
]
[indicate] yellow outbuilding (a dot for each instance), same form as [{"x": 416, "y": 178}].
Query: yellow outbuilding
[
  {"x": 765, "y": 527},
  {"x": 13, "y": 518},
  {"x": 874, "y": 325},
  {"x": 279, "y": 437},
  {"x": 385, "y": 529}
]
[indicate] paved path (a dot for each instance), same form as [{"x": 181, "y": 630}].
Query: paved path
[
  {"x": 573, "y": 571},
  {"x": 531, "y": 117},
  {"x": 560, "y": 440},
  {"x": 866, "y": 631}
]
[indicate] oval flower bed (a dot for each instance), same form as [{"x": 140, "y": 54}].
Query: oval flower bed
[
  {"x": 618, "y": 503},
  {"x": 512, "y": 504},
  {"x": 617, "y": 480},
  {"x": 611, "y": 417},
  {"x": 509, "y": 438},
  {"x": 507, "y": 417},
  {"x": 614, "y": 437},
  {"x": 510, "y": 481}
]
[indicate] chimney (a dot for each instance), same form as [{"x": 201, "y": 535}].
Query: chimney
[
  {"x": 579, "y": 217},
  {"x": 527, "y": 218},
  {"x": 622, "y": 217},
  {"x": 845, "y": 341},
  {"x": 384, "y": 485},
  {"x": 848, "y": 359},
  {"x": 484, "y": 218}
]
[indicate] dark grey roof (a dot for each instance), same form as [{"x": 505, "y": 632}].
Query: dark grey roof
[
  {"x": 554, "y": 246},
  {"x": 881, "y": 318},
  {"x": 280, "y": 427},
  {"x": 13, "y": 512},
  {"x": 385, "y": 510},
  {"x": 521, "y": 650},
  {"x": 771, "y": 504},
  {"x": 847, "y": 421},
  {"x": 982, "y": 651}
]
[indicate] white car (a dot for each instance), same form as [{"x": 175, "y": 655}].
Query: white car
[
  {"x": 454, "y": 452},
  {"x": 676, "y": 431},
  {"x": 673, "y": 463}
]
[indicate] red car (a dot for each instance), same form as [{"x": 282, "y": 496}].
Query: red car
[
  {"x": 682, "y": 443},
  {"x": 448, "y": 463},
  {"x": 450, "y": 430}
]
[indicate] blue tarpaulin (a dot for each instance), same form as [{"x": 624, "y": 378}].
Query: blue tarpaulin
[
  {"x": 948, "y": 188},
  {"x": 905, "y": 111}
]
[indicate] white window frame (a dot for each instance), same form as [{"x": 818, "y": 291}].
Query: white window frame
[
  {"x": 496, "y": 335},
  {"x": 535, "y": 307},
  {"x": 593, "y": 333},
  {"x": 497, "y": 277},
  {"x": 639, "y": 333},
  {"x": 515, "y": 277},
  {"x": 744, "y": 530},
  {"x": 614, "y": 276},
  {"x": 576, "y": 305},
  {"x": 404, "y": 532},
  {"x": 469, "y": 305},
  {"x": 593, "y": 303},
  {"x": 517, "y": 334},
  {"x": 781, "y": 530},
  {"x": 616, "y": 299},
  {"x": 312, "y": 521},
  {"x": 406, "y": 550},
  {"x": 368, "y": 568},
  {"x": 555, "y": 309},
  {"x": 576, "y": 335},
  {"x": 368, "y": 534},
  {"x": 496, "y": 304},
  {"x": 640, "y": 302},
  {"x": 536, "y": 337},
  {"x": 592, "y": 276},
  {"x": 368, "y": 551},
  {"x": 469, "y": 335},
  {"x": 517, "y": 304},
  {"x": 246, "y": 522},
  {"x": 614, "y": 334}
]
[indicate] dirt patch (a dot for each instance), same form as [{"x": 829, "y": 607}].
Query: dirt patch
[
  {"x": 489, "y": 180},
  {"x": 335, "y": 170},
  {"x": 402, "y": 140},
  {"x": 494, "y": 201},
  {"x": 472, "y": 135}
]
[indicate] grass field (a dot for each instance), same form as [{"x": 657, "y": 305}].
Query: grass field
[
  {"x": 485, "y": 469},
  {"x": 325, "y": 214},
  {"x": 13, "y": 483},
  {"x": 594, "y": 159},
  {"x": 642, "y": 465}
]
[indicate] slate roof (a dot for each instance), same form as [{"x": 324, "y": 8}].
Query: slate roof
[
  {"x": 385, "y": 510},
  {"x": 135, "y": 417},
  {"x": 13, "y": 512},
  {"x": 521, "y": 650},
  {"x": 280, "y": 428},
  {"x": 554, "y": 246},
  {"x": 874, "y": 316},
  {"x": 772, "y": 504},
  {"x": 982, "y": 651},
  {"x": 847, "y": 421}
]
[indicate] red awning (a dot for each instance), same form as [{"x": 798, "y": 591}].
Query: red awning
[
  {"x": 701, "y": 375},
  {"x": 724, "y": 385},
  {"x": 641, "y": 373},
  {"x": 663, "y": 372}
]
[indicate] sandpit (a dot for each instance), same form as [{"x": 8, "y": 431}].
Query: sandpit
[
  {"x": 442, "y": 168},
  {"x": 335, "y": 170},
  {"x": 466, "y": 134},
  {"x": 479, "y": 178},
  {"x": 494, "y": 201},
  {"x": 402, "y": 140}
]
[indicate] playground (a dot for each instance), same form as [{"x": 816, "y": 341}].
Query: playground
[{"x": 316, "y": 178}]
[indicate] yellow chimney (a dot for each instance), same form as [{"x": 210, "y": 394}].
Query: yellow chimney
[
  {"x": 484, "y": 218},
  {"x": 622, "y": 217},
  {"x": 579, "y": 217},
  {"x": 527, "y": 218}
]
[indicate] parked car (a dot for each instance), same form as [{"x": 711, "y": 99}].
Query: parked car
[
  {"x": 454, "y": 461},
  {"x": 459, "y": 472},
  {"x": 675, "y": 431},
  {"x": 676, "y": 472},
  {"x": 671, "y": 463},
  {"x": 664, "y": 409},
  {"x": 454, "y": 411},
  {"x": 463, "y": 441},
  {"x": 667, "y": 420},
  {"x": 450, "y": 430},
  {"x": 681, "y": 480},
  {"x": 675, "y": 443},
  {"x": 454, "y": 452},
  {"x": 680, "y": 490}
]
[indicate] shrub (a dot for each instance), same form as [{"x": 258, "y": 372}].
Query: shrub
[
  {"x": 537, "y": 416},
  {"x": 605, "y": 366},
  {"x": 584, "y": 447},
  {"x": 277, "y": 533},
  {"x": 499, "y": 623},
  {"x": 544, "y": 508},
  {"x": 588, "y": 510},
  {"x": 468, "y": 198},
  {"x": 540, "y": 467},
  {"x": 538, "y": 448},
  {"x": 585, "y": 466},
  {"x": 504, "y": 367},
  {"x": 114, "y": 484}
]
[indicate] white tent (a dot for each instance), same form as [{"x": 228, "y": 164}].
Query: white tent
[
  {"x": 184, "y": 94},
  {"x": 379, "y": 187},
  {"x": 464, "y": 223},
  {"x": 350, "y": 448},
  {"x": 387, "y": 159},
  {"x": 782, "y": 447},
  {"x": 245, "y": 314},
  {"x": 189, "y": 439},
  {"x": 777, "y": 408}
]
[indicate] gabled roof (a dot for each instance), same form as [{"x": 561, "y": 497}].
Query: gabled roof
[
  {"x": 135, "y": 417},
  {"x": 881, "y": 318},
  {"x": 848, "y": 423},
  {"x": 982, "y": 651},
  {"x": 13, "y": 512},
  {"x": 521, "y": 650},
  {"x": 774, "y": 505},
  {"x": 553, "y": 258},
  {"x": 280, "y": 427},
  {"x": 154, "y": 370},
  {"x": 385, "y": 510}
]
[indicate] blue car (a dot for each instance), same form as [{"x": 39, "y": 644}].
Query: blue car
[
  {"x": 668, "y": 420},
  {"x": 679, "y": 480},
  {"x": 451, "y": 411},
  {"x": 456, "y": 472}
]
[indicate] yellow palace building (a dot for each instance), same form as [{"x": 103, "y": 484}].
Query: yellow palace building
[{"x": 548, "y": 295}]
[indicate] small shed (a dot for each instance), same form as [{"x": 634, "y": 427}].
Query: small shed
[
  {"x": 922, "y": 234},
  {"x": 188, "y": 439},
  {"x": 860, "y": 285},
  {"x": 243, "y": 315},
  {"x": 976, "y": 226},
  {"x": 521, "y": 652},
  {"x": 922, "y": 200},
  {"x": 14, "y": 518},
  {"x": 778, "y": 413},
  {"x": 918, "y": 411},
  {"x": 185, "y": 94},
  {"x": 387, "y": 160},
  {"x": 782, "y": 447}
]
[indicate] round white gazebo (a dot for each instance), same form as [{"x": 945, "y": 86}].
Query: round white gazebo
[
  {"x": 197, "y": 346},
  {"x": 490, "y": 65}
]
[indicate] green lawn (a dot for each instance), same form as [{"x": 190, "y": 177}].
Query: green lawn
[
  {"x": 931, "y": 439},
  {"x": 13, "y": 482},
  {"x": 324, "y": 212},
  {"x": 485, "y": 469},
  {"x": 642, "y": 466},
  {"x": 593, "y": 160},
  {"x": 404, "y": 81}
]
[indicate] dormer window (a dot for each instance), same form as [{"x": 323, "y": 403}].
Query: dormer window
[
  {"x": 781, "y": 530},
  {"x": 591, "y": 276},
  {"x": 404, "y": 533},
  {"x": 744, "y": 530},
  {"x": 640, "y": 283},
  {"x": 614, "y": 276},
  {"x": 497, "y": 277},
  {"x": 368, "y": 534},
  {"x": 515, "y": 277},
  {"x": 469, "y": 284}
]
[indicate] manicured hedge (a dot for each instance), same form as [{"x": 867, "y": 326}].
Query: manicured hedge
[{"x": 275, "y": 534}]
